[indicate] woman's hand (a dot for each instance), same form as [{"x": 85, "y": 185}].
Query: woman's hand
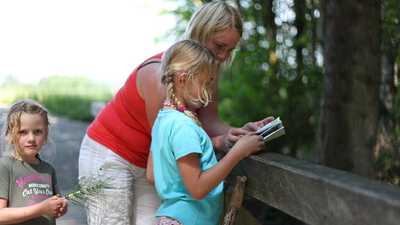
[
  {"x": 253, "y": 126},
  {"x": 233, "y": 134}
]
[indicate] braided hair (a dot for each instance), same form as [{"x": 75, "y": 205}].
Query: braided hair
[{"x": 192, "y": 59}]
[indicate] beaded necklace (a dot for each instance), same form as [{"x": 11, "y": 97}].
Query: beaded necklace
[{"x": 181, "y": 108}]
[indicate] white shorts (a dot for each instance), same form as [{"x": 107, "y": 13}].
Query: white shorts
[{"x": 127, "y": 199}]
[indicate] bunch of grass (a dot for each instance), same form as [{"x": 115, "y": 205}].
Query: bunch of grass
[{"x": 87, "y": 187}]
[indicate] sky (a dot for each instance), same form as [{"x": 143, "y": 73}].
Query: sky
[{"x": 101, "y": 39}]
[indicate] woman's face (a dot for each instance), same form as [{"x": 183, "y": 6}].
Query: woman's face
[{"x": 222, "y": 43}]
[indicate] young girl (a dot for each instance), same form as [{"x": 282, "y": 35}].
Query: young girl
[
  {"x": 187, "y": 176},
  {"x": 28, "y": 186}
]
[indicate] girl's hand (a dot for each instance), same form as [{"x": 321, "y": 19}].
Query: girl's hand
[
  {"x": 51, "y": 205},
  {"x": 249, "y": 144},
  {"x": 253, "y": 126},
  {"x": 63, "y": 208}
]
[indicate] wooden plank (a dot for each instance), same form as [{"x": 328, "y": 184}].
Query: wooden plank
[
  {"x": 319, "y": 195},
  {"x": 236, "y": 201}
]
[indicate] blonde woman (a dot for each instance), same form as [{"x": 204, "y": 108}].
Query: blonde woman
[{"x": 120, "y": 135}]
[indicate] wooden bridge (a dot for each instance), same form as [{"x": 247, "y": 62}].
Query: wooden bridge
[{"x": 318, "y": 195}]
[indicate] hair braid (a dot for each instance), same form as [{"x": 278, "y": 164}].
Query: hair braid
[{"x": 189, "y": 59}]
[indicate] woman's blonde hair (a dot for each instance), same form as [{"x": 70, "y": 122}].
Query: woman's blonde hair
[
  {"x": 211, "y": 18},
  {"x": 13, "y": 122},
  {"x": 192, "y": 59}
]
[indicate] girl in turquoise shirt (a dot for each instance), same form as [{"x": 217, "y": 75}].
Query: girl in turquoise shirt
[{"x": 183, "y": 165}]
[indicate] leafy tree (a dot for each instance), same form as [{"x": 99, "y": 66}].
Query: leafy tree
[{"x": 278, "y": 67}]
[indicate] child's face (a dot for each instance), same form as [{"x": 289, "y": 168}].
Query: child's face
[
  {"x": 195, "y": 88},
  {"x": 32, "y": 136}
]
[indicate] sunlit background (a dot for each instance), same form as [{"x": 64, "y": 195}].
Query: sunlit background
[
  {"x": 69, "y": 54},
  {"x": 99, "y": 39}
]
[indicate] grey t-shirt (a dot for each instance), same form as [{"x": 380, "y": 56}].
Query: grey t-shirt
[{"x": 25, "y": 184}]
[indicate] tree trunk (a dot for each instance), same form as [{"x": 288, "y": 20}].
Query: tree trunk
[
  {"x": 314, "y": 38},
  {"x": 299, "y": 8},
  {"x": 269, "y": 23},
  {"x": 349, "y": 115},
  {"x": 296, "y": 86},
  {"x": 385, "y": 139}
]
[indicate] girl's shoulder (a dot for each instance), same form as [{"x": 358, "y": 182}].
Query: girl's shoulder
[
  {"x": 9, "y": 161},
  {"x": 175, "y": 118},
  {"x": 177, "y": 123},
  {"x": 6, "y": 162}
]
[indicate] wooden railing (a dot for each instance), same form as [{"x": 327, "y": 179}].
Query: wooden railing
[{"x": 319, "y": 195}]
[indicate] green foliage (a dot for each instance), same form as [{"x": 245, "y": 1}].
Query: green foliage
[
  {"x": 391, "y": 45},
  {"x": 61, "y": 95},
  {"x": 391, "y": 25},
  {"x": 388, "y": 167},
  {"x": 248, "y": 93},
  {"x": 266, "y": 79},
  {"x": 387, "y": 164},
  {"x": 183, "y": 11},
  {"x": 263, "y": 80},
  {"x": 89, "y": 187}
]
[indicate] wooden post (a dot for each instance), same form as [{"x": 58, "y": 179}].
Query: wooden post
[{"x": 236, "y": 201}]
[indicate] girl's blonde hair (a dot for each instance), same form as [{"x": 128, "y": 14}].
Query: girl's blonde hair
[
  {"x": 211, "y": 18},
  {"x": 192, "y": 59},
  {"x": 13, "y": 122}
]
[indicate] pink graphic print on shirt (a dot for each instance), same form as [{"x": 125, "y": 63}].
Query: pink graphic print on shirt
[{"x": 35, "y": 187}]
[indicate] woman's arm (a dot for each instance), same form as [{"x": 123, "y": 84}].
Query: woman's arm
[
  {"x": 209, "y": 116},
  {"x": 222, "y": 135},
  {"x": 150, "y": 88},
  {"x": 214, "y": 126},
  {"x": 219, "y": 131},
  {"x": 20, "y": 214},
  {"x": 200, "y": 183},
  {"x": 149, "y": 170}
]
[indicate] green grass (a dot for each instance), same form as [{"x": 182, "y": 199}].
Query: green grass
[{"x": 61, "y": 95}]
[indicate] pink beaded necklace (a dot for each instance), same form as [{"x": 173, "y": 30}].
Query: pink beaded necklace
[{"x": 181, "y": 108}]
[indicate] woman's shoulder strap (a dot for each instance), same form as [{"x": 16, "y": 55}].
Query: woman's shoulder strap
[
  {"x": 154, "y": 59},
  {"x": 147, "y": 63}
]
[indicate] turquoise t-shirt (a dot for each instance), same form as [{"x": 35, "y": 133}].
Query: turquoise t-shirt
[{"x": 175, "y": 135}]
